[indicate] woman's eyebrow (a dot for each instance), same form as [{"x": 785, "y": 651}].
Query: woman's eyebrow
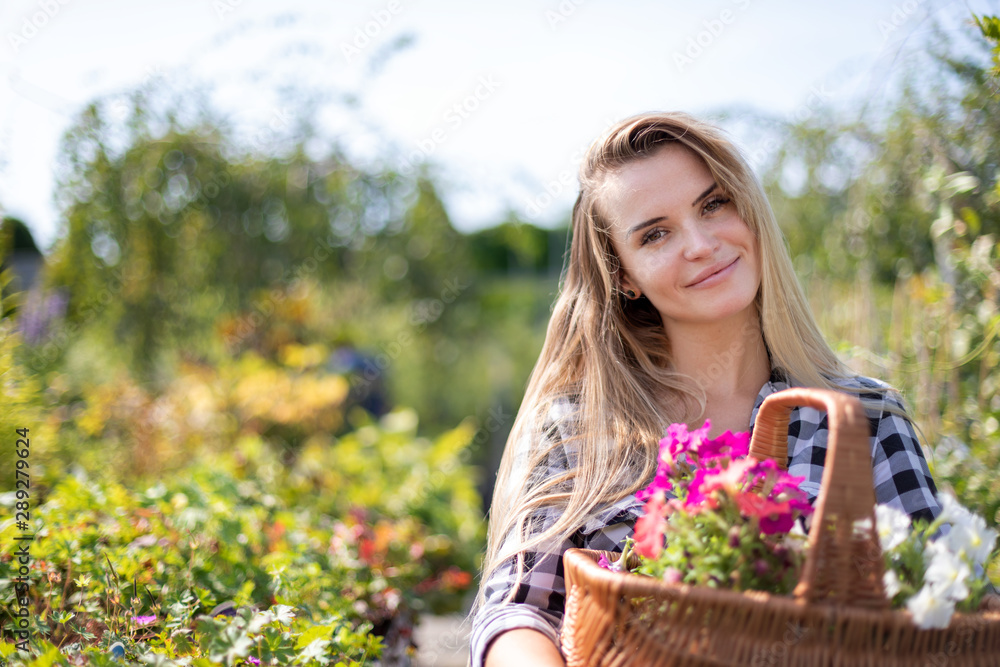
[
  {"x": 705, "y": 193},
  {"x": 647, "y": 223},
  {"x": 653, "y": 221}
]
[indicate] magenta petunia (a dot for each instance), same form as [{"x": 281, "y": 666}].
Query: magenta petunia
[
  {"x": 681, "y": 441},
  {"x": 737, "y": 498},
  {"x": 700, "y": 489},
  {"x": 660, "y": 483},
  {"x": 728, "y": 445},
  {"x": 773, "y": 517}
]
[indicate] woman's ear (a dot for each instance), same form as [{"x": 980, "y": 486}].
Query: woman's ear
[{"x": 627, "y": 287}]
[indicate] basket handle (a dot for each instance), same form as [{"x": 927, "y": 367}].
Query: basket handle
[{"x": 843, "y": 563}]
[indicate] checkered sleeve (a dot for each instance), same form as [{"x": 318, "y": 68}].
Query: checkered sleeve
[
  {"x": 539, "y": 599},
  {"x": 902, "y": 477},
  {"x": 900, "y": 473}
]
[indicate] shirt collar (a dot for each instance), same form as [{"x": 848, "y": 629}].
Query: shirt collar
[{"x": 777, "y": 382}]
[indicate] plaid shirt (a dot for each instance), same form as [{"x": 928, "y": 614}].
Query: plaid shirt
[{"x": 899, "y": 472}]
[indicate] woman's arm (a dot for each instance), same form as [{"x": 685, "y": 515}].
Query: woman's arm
[{"x": 521, "y": 647}]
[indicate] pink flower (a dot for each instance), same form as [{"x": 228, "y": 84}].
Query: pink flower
[
  {"x": 660, "y": 483},
  {"x": 681, "y": 441},
  {"x": 673, "y": 576},
  {"x": 729, "y": 444},
  {"x": 649, "y": 528},
  {"x": 706, "y": 481},
  {"x": 699, "y": 491},
  {"x": 144, "y": 620},
  {"x": 774, "y": 517}
]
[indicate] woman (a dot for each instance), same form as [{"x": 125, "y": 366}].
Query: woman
[{"x": 679, "y": 304}]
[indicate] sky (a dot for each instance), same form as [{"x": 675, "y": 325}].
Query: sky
[{"x": 502, "y": 98}]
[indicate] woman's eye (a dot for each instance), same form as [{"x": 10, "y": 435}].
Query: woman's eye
[
  {"x": 715, "y": 203},
  {"x": 653, "y": 235}
]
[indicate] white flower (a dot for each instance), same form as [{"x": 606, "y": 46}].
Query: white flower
[
  {"x": 891, "y": 582},
  {"x": 930, "y": 610},
  {"x": 796, "y": 538},
  {"x": 893, "y": 526},
  {"x": 952, "y": 511},
  {"x": 862, "y": 526},
  {"x": 947, "y": 572},
  {"x": 971, "y": 539}
]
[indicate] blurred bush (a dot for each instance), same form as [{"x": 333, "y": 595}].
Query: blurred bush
[{"x": 900, "y": 250}]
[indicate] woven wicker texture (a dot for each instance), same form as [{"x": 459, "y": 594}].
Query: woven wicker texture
[{"x": 838, "y": 615}]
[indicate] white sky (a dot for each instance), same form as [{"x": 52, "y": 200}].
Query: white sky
[{"x": 559, "y": 72}]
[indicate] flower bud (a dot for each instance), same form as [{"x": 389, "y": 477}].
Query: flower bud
[
  {"x": 672, "y": 575},
  {"x": 734, "y": 537}
]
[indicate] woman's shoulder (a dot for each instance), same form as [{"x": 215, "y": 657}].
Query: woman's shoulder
[{"x": 877, "y": 396}]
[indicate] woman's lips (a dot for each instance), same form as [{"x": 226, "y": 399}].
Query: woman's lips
[{"x": 713, "y": 274}]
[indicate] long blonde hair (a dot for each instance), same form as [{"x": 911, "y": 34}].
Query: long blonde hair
[{"x": 609, "y": 357}]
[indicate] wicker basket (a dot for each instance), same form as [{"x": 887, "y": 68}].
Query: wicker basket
[{"x": 838, "y": 614}]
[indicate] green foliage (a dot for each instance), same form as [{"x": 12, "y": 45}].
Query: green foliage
[
  {"x": 514, "y": 247},
  {"x": 314, "y": 563},
  {"x": 894, "y": 224},
  {"x": 864, "y": 193},
  {"x": 167, "y": 231},
  {"x": 22, "y": 401},
  {"x": 275, "y": 422},
  {"x": 937, "y": 340},
  {"x": 145, "y": 569},
  {"x": 990, "y": 27}
]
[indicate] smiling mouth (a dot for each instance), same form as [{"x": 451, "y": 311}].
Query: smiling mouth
[{"x": 714, "y": 271}]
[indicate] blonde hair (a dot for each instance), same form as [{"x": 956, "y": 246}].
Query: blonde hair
[{"x": 609, "y": 357}]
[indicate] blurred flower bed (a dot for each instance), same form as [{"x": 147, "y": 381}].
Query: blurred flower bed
[{"x": 241, "y": 487}]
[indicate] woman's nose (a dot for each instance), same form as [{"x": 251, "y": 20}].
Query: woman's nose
[{"x": 698, "y": 242}]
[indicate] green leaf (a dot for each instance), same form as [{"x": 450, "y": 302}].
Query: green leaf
[
  {"x": 230, "y": 644},
  {"x": 312, "y": 634},
  {"x": 315, "y": 652}
]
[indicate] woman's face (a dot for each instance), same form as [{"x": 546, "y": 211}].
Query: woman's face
[{"x": 680, "y": 240}]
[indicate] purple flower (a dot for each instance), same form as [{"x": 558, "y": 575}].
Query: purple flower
[
  {"x": 660, "y": 483},
  {"x": 252, "y": 660},
  {"x": 144, "y": 620},
  {"x": 681, "y": 441},
  {"x": 729, "y": 444}
]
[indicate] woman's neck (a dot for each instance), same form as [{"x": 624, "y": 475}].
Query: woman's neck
[{"x": 729, "y": 362}]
